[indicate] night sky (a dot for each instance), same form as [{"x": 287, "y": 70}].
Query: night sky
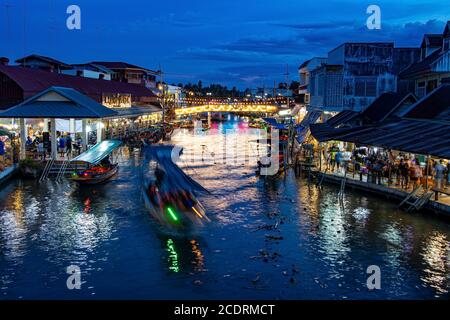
[{"x": 246, "y": 43}]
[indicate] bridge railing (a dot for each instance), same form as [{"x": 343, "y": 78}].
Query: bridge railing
[{"x": 234, "y": 107}]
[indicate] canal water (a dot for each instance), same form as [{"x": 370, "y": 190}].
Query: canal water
[{"x": 274, "y": 238}]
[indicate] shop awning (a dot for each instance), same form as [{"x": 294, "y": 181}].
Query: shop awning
[
  {"x": 408, "y": 135},
  {"x": 98, "y": 152},
  {"x": 302, "y": 128},
  {"x": 136, "y": 111}
]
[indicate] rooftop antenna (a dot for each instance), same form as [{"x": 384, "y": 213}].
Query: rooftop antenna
[
  {"x": 52, "y": 27},
  {"x": 287, "y": 74},
  {"x": 24, "y": 28},
  {"x": 7, "y": 29}
]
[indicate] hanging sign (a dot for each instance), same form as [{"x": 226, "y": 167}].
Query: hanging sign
[{"x": 116, "y": 100}]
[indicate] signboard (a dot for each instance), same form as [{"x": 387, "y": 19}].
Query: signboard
[{"x": 116, "y": 100}]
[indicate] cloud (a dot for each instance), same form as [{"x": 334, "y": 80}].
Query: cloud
[
  {"x": 319, "y": 41},
  {"x": 215, "y": 54},
  {"x": 316, "y": 25},
  {"x": 280, "y": 46}
]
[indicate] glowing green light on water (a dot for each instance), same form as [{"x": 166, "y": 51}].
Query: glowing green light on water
[
  {"x": 172, "y": 214},
  {"x": 173, "y": 256}
]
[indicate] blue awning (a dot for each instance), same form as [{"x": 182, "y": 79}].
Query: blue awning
[
  {"x": 303, "y": 128},
  {"x": 98, "y": 152},
  {"x": 408, "y": 135}
]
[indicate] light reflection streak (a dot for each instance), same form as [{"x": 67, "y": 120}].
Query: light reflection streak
[
  {"x": 435, "y": 254},
  {"x": 172, "y": 259}
]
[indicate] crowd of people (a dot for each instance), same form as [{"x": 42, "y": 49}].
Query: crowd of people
[
  {"x": 66, "y": 146},
  {"x": 400, "y": 169}
]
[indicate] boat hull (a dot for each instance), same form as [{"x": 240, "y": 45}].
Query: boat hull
[{"x": 97, "y": 179}]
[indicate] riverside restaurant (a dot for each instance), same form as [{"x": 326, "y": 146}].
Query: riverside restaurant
[
  {"x": 41, "y": 109},
  {"x": 398, "y": 146}
]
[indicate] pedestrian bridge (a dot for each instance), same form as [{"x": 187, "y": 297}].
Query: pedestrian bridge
[{"x": 228, "y": 107}]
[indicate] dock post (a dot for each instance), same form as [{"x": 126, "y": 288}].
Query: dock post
[
  {"x": 53, "y": 138},
  {"x": 23, "y": 138},
  {"x": 84, "y": 136}
]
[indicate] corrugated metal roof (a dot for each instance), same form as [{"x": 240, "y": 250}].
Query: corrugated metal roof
[
  {"x": 409, "y": 135},
  {"x": 44, "y": 58},
  {"x": 384, "y": 105},
  {"x": 136, "y": 111},
  {"x": 121, "y": 65},
  {"x": 33, "y": 81},
  {"x": 79, "y": 106},
  {"x": 342, "y": 117},
  {"x": 435, "y": 105},
  {"x": 421, "y": 66}
]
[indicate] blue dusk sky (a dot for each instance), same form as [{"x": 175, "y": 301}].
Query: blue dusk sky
[{"x": 246, "y": 43}]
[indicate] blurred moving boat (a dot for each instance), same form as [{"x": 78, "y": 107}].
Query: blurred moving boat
[
  {"x": 177, "y": 209},
  {"x": 169, "y": 194},
  {"x": 100, "y": 167}
]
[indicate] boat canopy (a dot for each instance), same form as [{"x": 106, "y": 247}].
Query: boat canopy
[
  {"x": 98, "y": 152},
  {"x": 177, "y": 178}
]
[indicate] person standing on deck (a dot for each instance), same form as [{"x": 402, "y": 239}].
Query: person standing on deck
[
  {"x": 403, "y": 169},
  {"x": 332, "y": 157},
  {"x": 69, "y": 146},
  {"x": 62, "y": 145},
  {"x": 338, "y": 159},
  {"x": 415, "y": 173},
  {"x": 41, "y": 150},
  {"x": 439, "y": 171}
]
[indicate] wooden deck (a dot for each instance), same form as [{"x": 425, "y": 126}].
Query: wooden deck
[{"x": 397, "y": 194}]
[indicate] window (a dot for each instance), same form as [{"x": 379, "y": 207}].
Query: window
[
  {"x": 371, "y": 88},
  {"x": 420, "y": 91}
]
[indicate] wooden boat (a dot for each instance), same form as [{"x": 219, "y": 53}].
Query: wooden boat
[
  {"x": 96, "y": 174},
  {"x": 100, "y": 169}
]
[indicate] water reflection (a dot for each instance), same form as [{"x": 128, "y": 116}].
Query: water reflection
[
  {"x": 269, "y": 238},
  {"x": 436, "y": 257},
  {"x": 173, "y": 256},
  {"x": 184, "y": 255}
]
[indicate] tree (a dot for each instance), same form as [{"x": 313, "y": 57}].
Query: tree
[{"x": 294, "y": 86}]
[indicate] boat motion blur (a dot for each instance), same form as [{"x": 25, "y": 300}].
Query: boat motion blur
[{"x": 169, "y": 194}]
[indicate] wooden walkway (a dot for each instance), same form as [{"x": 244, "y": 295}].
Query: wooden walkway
[{"x": 416, "y": 201}]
